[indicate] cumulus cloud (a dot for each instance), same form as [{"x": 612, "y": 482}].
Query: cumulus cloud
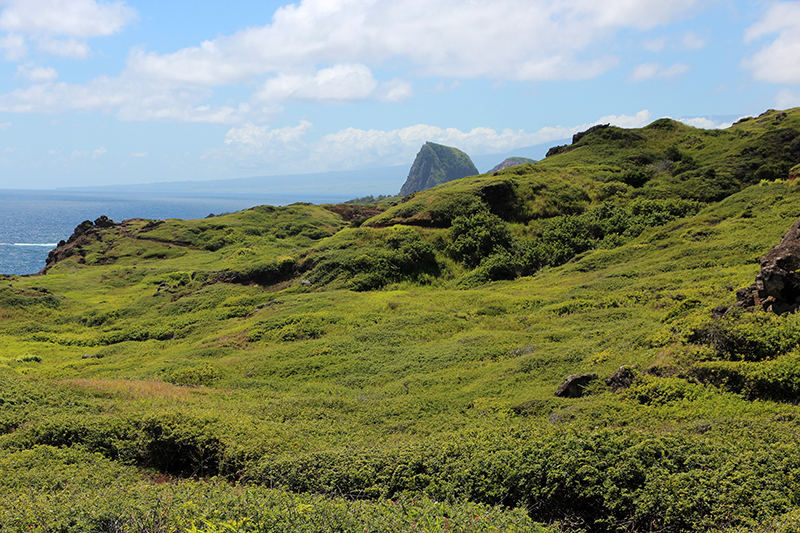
[
  {"x": 338, "y": 83},
  {"x": 13, "y": 47},
  {"x": 60, "y": 27},
  {"x": 5, "y": 125},
  {"x": 787, "y": 98},
  {"x": 139, "y": 154},
  {"x": 36, "y": 74},
  {"x": 705, "y": 123},
  {"x": 78, "y": 18},
  {"x": 99, "y": 152},
  {"x": 691, "y": 41},
  {"x": 507, "y": 39},
  {"x": 325, "y": 50},
  {"x": 72, "y": 48},
  {"x": 648, "y": 71},
  {"x": 776, "y": 62},
  {"x": 287, "y": 150},
  {"x": 131, "y": 100},
  {"x": 654, "y": 45}
]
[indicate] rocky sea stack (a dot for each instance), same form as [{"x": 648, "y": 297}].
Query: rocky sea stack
[{"x": 436, "y": 164}]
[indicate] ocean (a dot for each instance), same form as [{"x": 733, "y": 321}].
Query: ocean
[{"x": 33, "y": 221}]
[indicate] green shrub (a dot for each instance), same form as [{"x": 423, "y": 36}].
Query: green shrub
[
  {"x": 195, "y": 376},
  {"x": 749, "y": 336},
  {"x": 475, "y": 237},
  {"x": 11, "y": 298},
  {"x": 384, "y": 256}
]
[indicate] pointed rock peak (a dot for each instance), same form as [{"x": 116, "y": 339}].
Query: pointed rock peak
[{"x": 436, "y": 164}]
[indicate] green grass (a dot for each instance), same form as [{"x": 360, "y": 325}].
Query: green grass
[{"x": 285, "y": 371}]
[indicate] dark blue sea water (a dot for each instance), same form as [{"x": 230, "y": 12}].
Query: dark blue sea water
[{"x": 32, "y": 222}]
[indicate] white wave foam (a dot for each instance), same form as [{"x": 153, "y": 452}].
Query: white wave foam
[{"x": 51, "y": 244}]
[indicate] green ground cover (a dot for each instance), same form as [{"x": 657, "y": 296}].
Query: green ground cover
[{"x": 284, "y": 369}]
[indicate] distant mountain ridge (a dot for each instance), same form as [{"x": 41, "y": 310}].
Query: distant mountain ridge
[
  {"x": 436, "y": 164},
  {"x": 512, "y": 162}
]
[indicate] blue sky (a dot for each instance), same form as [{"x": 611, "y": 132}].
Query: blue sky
[{"x": 96, "y": 92}]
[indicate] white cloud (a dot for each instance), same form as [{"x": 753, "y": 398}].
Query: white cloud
[
  {"x": 442, "y": 87},
  {"x": 77, "y": 154},
  {"x": 691, "y": 41},
  {"x": 325, "y": 50},
  {"x": 72, "y": 48},
  {"x": 394, "y": 91},
  {"x": 36, "y": 74},
  {"x": 262, "y": 137},
  {"x": 78, "y": 18},
  {"x": 287, "y": 150},
  {"x": 705, "y": 123},
  {"x": 138, "y": 154},
  {"x": 99, "y": 152},
  {"x": 131, "y": 100},
  {"x": 14, "y": 47},
  {"x": 647, "y": 71},
  {"x": 337, "y": 83},
  {"x": 786, "y": 99},
  {"x": 5, "y": 125},
  {"x": 505, "y": 39},
  {"x": 655, "y": 45},
  {"x": 777, "y": 61},
  {"x": 59, "y": 27}
]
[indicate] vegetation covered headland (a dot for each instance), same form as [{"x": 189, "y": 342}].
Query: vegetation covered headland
[{"x": 603, "y": 340}]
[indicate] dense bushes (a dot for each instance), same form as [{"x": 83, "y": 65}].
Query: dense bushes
[
  {"x": 599, "y": 481},
  {"x": 473, "y": 238},
  {"x": 482, "y": 241},
  {"x": 71, "y": 490},
  {"x": 777, "y": 380},
  {"x": 749, "y": 336},
  {"x": 386, "y": 256},
  {"x": 596, "y": 480},
  {"x": 37, "y": 296}
]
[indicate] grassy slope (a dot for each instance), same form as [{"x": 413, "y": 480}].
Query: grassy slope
[{"x": 420, "y": 391}]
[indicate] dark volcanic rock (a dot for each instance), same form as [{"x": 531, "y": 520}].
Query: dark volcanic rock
[
  {"x": 621, "y": 379},
  {"x": 83, "y": 234},
  {"x": 777, "y": 286},
  {"x": 104, "y": 222},
  {"x": 436, "y": 164},
  {"x": 574, "y": 384}
]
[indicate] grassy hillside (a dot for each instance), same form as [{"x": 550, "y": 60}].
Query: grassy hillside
[{"x": 303, "y": 368}]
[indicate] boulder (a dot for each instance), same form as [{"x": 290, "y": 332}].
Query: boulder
[
  {"x": 574, "y": 384},
  {"x": 777, "y": 287},
  {"x": 104, "y": 222},
  {"x": 621, "y": 379}
]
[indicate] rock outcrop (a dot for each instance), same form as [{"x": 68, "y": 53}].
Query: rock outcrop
[
  {"x": 436, "y": 164},
  {"x": 512, "y": 162},
  {"x": 83, "y": 234},
  {"x": 777, "y": 286},
  {"x": 621, "y": 379},
  {"x": 574, "y": 384}
]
